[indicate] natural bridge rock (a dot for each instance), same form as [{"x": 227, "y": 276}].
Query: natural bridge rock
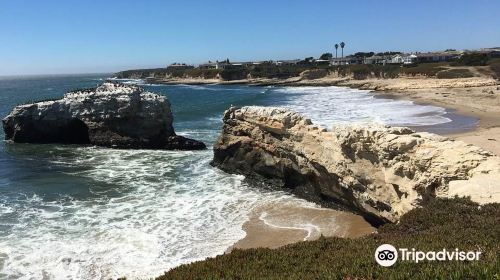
[{"x": 111, "y": 115}]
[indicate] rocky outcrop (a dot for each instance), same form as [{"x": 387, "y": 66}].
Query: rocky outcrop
[
  {"x": 379, "y": 171},
  {"x": 111, "y": 115}
]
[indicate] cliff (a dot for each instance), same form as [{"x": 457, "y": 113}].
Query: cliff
[
  {"x": 111, "y": 115},
  {"x": 379, "y": 171}
]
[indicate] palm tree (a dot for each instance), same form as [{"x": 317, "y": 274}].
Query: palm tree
[
  {"x": 342, "y": 45},
  {"x": 336, "y": 48}
]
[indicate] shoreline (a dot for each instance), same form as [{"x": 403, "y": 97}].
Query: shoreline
[
  {"x": 486, "y": 134},
  {"x": 279, "y": 224},
  {"x": 477, "y": 97}
]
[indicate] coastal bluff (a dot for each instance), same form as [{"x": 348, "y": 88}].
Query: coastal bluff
[
  {"x": 110, "y": 115},
  {"x": 379, "y": 171}
]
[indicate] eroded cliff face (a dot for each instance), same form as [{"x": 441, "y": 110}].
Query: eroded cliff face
[
  {"x": 111, "y": 115},
  {"x": 379, "y": 171}
]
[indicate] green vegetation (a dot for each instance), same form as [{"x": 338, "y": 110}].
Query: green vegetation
[
  {"x": 160, "y": 73},
  {"x": 388, "y": 53},
  {"x": 238, "y": 73},
  {"x": 142, "y": 73},
  {"x": 454, "y": 73},
  {"x": 363, "y": 71},
  {"x": 425, "y": 69},
  {"x": 203, "y": 73},
  {"x": 362, "y": 54},
  {"x": 444, "y": 223},
  {"x": 326, "y": 56},
  {"x": 472, "y": 59},
  {"x": 280, "y": 72}
]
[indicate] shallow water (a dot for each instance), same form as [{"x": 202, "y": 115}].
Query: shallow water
[{"x": 90, "y": 213}]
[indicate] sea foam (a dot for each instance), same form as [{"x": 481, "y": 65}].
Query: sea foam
[
  {"x": 329, "y": 106},
  {"x": 156, "y": 210}
]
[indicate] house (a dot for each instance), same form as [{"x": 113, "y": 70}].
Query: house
[
  {"x": 402, "y": 59},
  {"x": 376, "y": 59},
  {"x": 288, "y": 62},
  {"x": 209, "y": 65},
  {"x": 322, "y": 62},
  {"x": 437, "y": 56},
  {"x": 225, "y": 64},
  {"x": 409, "y": 59},
  {"x": 214, "y": 65},
  {"x": 346, "y": 60},
  {"x": 490, "y": 52},
  {"x": 396, "y": 59}
]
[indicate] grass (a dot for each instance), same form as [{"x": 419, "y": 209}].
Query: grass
[
  {"x": 279, "y": 72},
  {"x": 454, "y": 73},
  {"x": 472, "y": 59},
  {"x": 363, "y": 71},
  {"x": 444, "y": 223},
  {"x": 425, "y": 69}
]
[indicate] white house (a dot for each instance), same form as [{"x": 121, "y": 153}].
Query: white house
[
  {"x": 410, "y": 59},
  {"x": 396, "y": 59}
]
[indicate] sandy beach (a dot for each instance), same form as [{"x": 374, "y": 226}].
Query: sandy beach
[{"x": 276, "y": 225}]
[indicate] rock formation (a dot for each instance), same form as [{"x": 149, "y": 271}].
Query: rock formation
[
  {"x": 111, "y": 115},
  {"x": 379, "y": 171}
]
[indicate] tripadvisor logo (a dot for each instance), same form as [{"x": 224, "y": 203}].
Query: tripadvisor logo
[{"x": 387, "y": 255}]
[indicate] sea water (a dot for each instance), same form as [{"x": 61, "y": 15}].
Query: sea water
[{"x": 86, "y": 212}]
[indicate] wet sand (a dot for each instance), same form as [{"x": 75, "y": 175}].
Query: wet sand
[{"x": 276, "y": 225}]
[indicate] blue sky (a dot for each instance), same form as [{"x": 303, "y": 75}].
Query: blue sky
[{"x": 45, "y": 37}]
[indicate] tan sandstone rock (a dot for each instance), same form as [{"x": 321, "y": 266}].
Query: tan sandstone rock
[{"x": 380, "y": 171}]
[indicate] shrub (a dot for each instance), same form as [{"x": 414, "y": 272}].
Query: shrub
[
  {"x": 425, "y": 69},
  {"x": 234, "y": 74},
  {"x": 472, "y": 59},
  {"x": 142, "y": 73},
  {"x": 444, "y": 223},
  {"x": 280, "y": 72},
  {"x": 363, "y": 71},
  {"x": 198, "y": 73}
]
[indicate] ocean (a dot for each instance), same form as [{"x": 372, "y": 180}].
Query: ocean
[{"x": 82, "y": 212}]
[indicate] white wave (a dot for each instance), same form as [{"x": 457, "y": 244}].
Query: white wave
[
  {"x": 214, "y": 87},
  {"x": 329, "y": 106},
  {"x": 129, "y": 81},
  {"x": 156, "y": 210}
]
